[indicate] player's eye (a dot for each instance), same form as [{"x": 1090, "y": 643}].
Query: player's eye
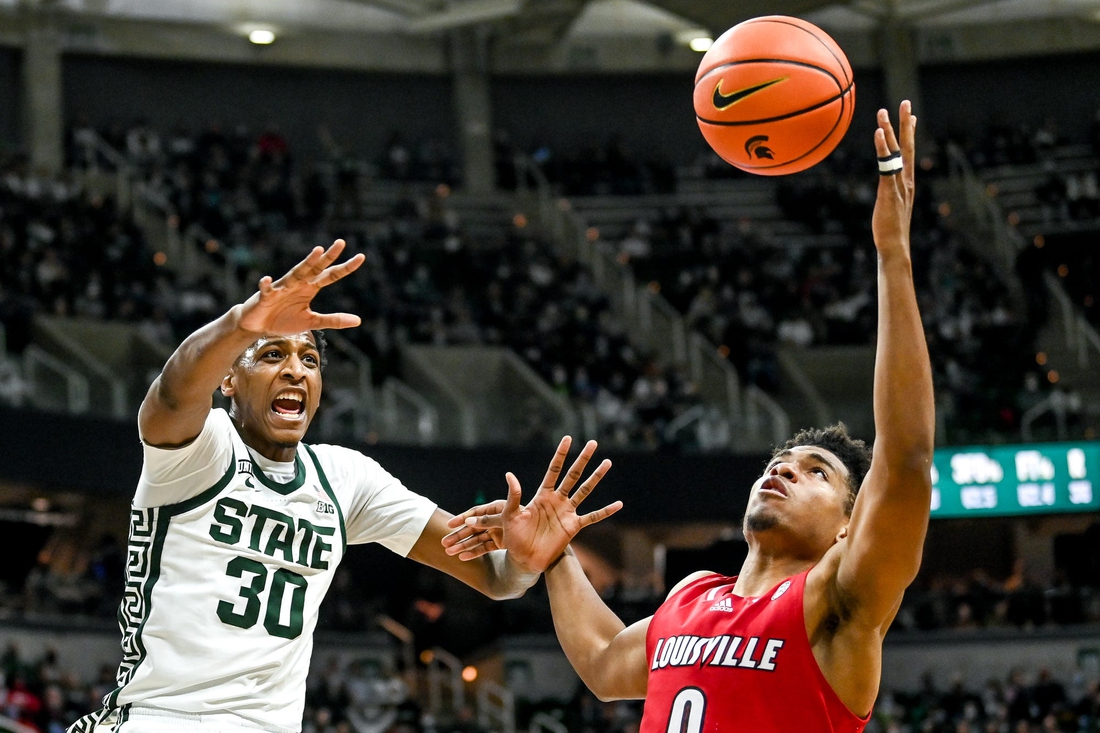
[
  {"x": 821, "y": 472},
  {"x": 271, "y": 354},
  {"x": 310, "y": 359}
]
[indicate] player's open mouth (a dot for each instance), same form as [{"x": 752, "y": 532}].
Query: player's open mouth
[
  {"x": 773, "y": 485},
  {"x": 289, "y": 404}
]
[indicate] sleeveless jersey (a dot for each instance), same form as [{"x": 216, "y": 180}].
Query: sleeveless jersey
[
  {"x": 222, "y": 595},
  {"x": 720, "y": 663}
]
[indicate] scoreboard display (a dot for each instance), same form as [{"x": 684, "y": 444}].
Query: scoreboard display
[{"x": 1009, "y": 480}]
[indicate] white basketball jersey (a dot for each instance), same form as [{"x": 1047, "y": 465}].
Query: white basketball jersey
[{"x": 223, "y": 590}]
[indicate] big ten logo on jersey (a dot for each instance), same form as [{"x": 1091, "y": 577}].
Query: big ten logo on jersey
[
  {"x": 323, "y": 507},
  {"x": 273, "y": 533},
  {"x": 716, "y": 651}
]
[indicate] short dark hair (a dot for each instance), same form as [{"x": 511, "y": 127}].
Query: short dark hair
[
  {"x": 853, "y": 453},
  {"x": 322, "y": 346}
]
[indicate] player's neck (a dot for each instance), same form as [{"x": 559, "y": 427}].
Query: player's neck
[
  {"x": 269, "y": 449},
  {"x": 763, "y": 570}
]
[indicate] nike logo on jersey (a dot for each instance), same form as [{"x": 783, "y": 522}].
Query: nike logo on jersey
[
  {"x": 726, "y": 604},
  {"x": 716, "y": 651},
  {"x": 272, "y": 533},
  {"x": 722, "y": 101}
]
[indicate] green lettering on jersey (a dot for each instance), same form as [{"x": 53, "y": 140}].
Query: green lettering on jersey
[
  {"x": 307, "y": 529},
  {"x": 228, "y": 528},
  {"x": 319, "y": 546},
  {"x": 282, "y": 533}
]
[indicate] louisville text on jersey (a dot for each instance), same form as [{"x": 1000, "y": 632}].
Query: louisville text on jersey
[
  {"x": 293, "y": 538},
  {"x": 716, "y": 651}
]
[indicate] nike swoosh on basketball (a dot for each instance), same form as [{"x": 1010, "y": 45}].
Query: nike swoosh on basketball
[{"x": 721, "y": 101}]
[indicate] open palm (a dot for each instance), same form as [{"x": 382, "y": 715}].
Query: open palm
[
  {"x": 535, "y": 535},
  {"x": 283, "y": 306}
]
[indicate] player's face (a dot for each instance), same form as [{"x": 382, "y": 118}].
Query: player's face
[
  {"x": 803, "y": 493},
  {"x": 276, "y": 387}
]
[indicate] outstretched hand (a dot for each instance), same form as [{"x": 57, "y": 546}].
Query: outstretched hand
[
  {"x": 894, "y": 204},
  {"x": 535, "y": 535},
  {"x": 282, "y": 307}
]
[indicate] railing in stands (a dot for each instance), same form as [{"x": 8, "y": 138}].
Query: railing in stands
[
  {"x": 1080, "y": 335},
  {"x": 77, "y": 392},
  {"x": 117, "y": 169},
  {"x": 654, "y": 322},
  {"x": 496, "y": 707},
  {"x": 1060, "y": 405},
  {"x": 757, "y": 402},
  {"x": 445, "y": 678},
  {"x": 544, "y": 722},
  {"x": 425, "y": 421},
  {"x": 406, "y": 639},
  {"x": 1005, "y": 243}
]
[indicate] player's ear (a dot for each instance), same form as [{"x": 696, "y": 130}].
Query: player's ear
[
  {"x": 229, "y": 388},
  {"x": 842, "y": 533}
]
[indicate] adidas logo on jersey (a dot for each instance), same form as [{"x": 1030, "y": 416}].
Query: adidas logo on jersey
[{"x": 726, "y": 604}]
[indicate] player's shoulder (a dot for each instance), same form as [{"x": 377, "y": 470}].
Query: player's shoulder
[
  {"x": 338, "y": 460},
  {"x": 219, "y": 418},
  {"x": 692, "y": 578}
]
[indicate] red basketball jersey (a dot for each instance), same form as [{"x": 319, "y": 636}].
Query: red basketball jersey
[{"x": 720, "y": 663}]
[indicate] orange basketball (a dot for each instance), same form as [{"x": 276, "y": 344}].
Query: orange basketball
[{"x": 774, "y": 95}]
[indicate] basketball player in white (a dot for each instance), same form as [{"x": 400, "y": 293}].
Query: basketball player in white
[{"x": 237, "y": 527}]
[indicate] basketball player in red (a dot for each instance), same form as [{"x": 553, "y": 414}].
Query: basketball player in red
[{"x": 793, "y": 643}]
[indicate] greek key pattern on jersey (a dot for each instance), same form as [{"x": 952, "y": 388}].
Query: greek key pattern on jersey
[
  {"x": 141, "y": 571},
  {"x": 107, "y": 720}
]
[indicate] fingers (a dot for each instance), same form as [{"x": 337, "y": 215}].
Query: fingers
[
  {"x": 303, "y": 269},
  {"x": 586, "y": 488},
  {"x": 515, "y": 497},
  {"x": 907, "y": 127},
  {"x": 475, "y": 552},
  {"x": 315, "y": 263},
  {"x": 266, "y": 285},
  {"x": 334, "y": 320},
  {"x": 577, "y": 469},
  {"x": 458, "y": 536},
  {"x": 493, "y": 507},
  {"x": 600, "y": 515},
  {"x": 550, "y": 480},
  {"x": 888, "y": 129},
  {"x": 339, "y": 272},
  {"x": 471, "y": 543},
  {"x": 485, "y": 521},
  {"x": 887, "y": 182}
]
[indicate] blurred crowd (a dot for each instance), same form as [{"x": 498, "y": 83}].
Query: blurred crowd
[
  {"x": 250, "y": 202},
  {"x": 610, "y": 169},
  {"x": 365, "y": 695},
  {"x": 978, "y": 601},
  {"x": 43, "y": 695},
  {"x": 741, "y": 286},
  {"x": 425, "y": 281},
  {"x": 1023, "y": 703},
  {"x": 65, "y": 251},
  {"x": 1066, "y": 191}
]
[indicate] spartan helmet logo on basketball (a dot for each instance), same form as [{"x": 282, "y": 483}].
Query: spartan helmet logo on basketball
[{"x": 756, "y": 148}]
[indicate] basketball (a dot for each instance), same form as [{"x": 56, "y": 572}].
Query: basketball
[{"x": 774, "y": 95}]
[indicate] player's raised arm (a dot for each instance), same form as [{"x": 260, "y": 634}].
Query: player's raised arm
[
  {"x": 179, "y": 400},
  {"x": 886, "y": 532}
]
